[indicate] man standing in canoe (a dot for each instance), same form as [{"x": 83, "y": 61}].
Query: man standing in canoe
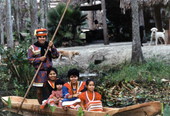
[{"x": 36, "y": 56}]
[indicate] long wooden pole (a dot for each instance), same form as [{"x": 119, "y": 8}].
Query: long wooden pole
[{"x": 68, "y": 2}]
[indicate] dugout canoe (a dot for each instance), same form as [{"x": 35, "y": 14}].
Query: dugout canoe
[{"x": 32, "y": 105}]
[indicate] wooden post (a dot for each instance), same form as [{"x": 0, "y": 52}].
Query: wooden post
[
  {"x": 105, "y": 33},
  {"x": 167, "y": 32},
  {"x": 90, "y": 17}
]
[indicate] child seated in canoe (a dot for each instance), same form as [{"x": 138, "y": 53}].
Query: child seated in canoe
[
  {"x": 49, "y": 85},
  {"x": 72, "y": 89},
  {"x": 91, "y": 100},
  {"x": 55, "y": 98}
]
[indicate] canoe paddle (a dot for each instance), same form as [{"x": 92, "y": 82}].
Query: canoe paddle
[{"x": 68, "y": 2}]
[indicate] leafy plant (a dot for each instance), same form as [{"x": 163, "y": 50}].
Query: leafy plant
[
  {"x": 127, "y": 84},
  {"x": 69, "y": 28},
  {"x": 8, "y": 102},
  {"x": 107, "y": 115},
  {"x": 20, "y": 89},
  {"x": 16, "y": 71},
  {"x": 17, "y": 63},
  {"x": 52, "y": 108},
  {"x": 166, "y": 111},
  {"x": 80, "y": 112}
]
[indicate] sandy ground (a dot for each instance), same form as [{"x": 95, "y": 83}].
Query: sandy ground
[{"x": 114, "y": 53}]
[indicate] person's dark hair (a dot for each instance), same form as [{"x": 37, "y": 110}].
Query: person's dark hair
[
  {"x": 88, "y": 81},
  {"x": 59, "y": 82},
  {"x": 51, "y": 69},
  {"x": 74, "y": 72}
]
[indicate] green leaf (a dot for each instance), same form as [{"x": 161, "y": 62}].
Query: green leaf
[
  {"x": 52, "y": 108},
  {"x": 8, "y": 102},
  {"x": 166, "y": 110},
  {"x": 110, "y": 103},
  {"x": 107, "y": 115},
  {"x": 80, "y": 112}
]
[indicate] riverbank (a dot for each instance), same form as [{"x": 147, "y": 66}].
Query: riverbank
[{"x": 112, "y": 54}]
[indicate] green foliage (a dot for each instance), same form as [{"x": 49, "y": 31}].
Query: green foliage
[
  {"x": 52, "y": 108},
  {"x": 166, "y": 111},
  {"x": 8, "y": 102},
  {"x": 4, "y": 77},
  {"x": 69, "y": 28},
  {"x": 127, "y": 84},
  {"x": 107, "y": 115},
  {"x": 152, "y": 70},
  {"x": 16, "y": 71},
  {"x": 17, "y": 63},
  {"x": 20, "y": 89},
  {"x": 80, "y": 112}
]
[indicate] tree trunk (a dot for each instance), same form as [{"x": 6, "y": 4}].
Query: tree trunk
[
  {"x": 137, "y": 55},
  {"x": 169, "y": 32},
  {"x": 34, "y": 18},
  {"x": 43, "y": 10},
  {"x": 2, "y": 23},
  {"x": 105, "y": 33},
  {"x": 158, "y": 19},
  {"x": 142, "y": 20},
  {"x": 169, "y": 23},
  {"x": 10, "y": 42},
  {"x": 90, "y": 17},
  {"x": 16, "y": 17},
  {"x": 2, "y": 34},
  {"x": 42, "y": 18},
  {"x": 45, "y": 13}
]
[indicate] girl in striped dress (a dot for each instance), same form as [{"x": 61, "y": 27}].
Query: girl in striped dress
[{"x": 91, "y": 100}]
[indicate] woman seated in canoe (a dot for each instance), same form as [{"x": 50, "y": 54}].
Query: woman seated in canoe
[
  {"x": 49, "y": 85},
  {"x": 91, "y": 100},
  {"x": 72, "y": 89},
  {"x": 56, "y": 96}
]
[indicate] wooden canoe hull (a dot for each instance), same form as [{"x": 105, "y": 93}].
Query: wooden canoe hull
[{"x": 32, "y": 105}]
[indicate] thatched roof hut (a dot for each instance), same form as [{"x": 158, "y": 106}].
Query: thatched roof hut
[{"x": 125, "y": 4}]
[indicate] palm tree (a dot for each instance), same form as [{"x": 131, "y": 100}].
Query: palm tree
[{"x": 70, "y": 26}]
